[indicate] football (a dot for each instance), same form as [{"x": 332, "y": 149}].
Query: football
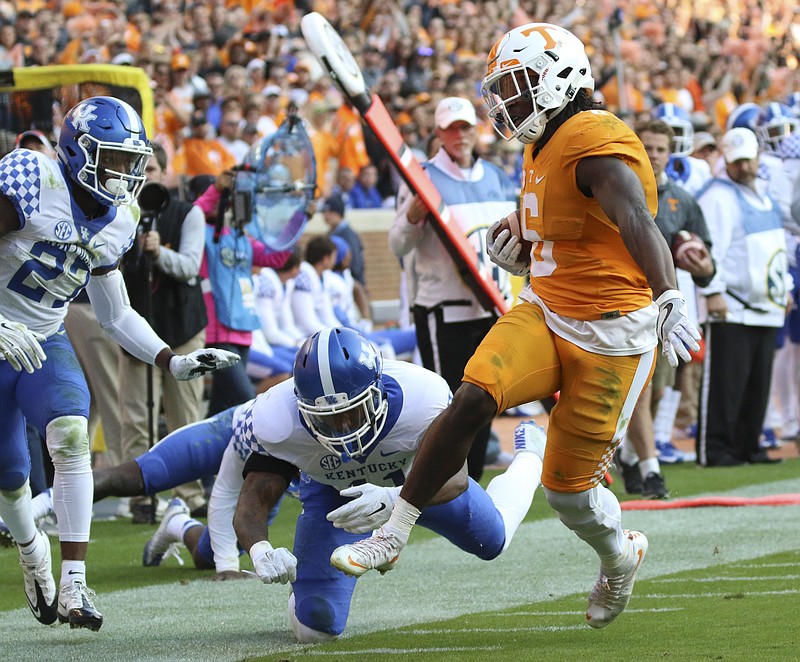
[
  {"x": 512, "y": 222},
  {"x": 683, "y": 243}
]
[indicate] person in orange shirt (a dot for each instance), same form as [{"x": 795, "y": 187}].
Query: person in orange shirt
[
  {"x": 587, "y": 325},
  {"x": 199, "y": 154}
]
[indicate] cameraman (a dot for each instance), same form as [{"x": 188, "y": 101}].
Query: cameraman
[{"x": 170, "y": 246}]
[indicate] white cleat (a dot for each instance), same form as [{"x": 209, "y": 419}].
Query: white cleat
[
  {"x": 161, "y": 544},
  {"x": 378, "y": 552},
  {"x": 40, "y": 588},
  {"x": 75, "y": 607},
  {"x": 611, "y": 593},
  {"x": 529, "y": 436}
]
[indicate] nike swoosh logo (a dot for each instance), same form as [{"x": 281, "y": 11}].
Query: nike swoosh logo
[
  {"x": 539, "y": 178},
  {"x": 74, "y": 572},
  {"x": 35, "y": 609},
  {"x": 389, "y": 453},
  {"x": 355, "y": 563},
  {"x": 379, "y": 509}
]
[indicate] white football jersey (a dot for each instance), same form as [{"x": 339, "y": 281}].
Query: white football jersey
[
  {"x": 47, "y": 261},
  {"x": 271, "y": 425}
]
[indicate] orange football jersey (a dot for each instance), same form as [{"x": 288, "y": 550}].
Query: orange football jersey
[{"x": 580, "y": 267}]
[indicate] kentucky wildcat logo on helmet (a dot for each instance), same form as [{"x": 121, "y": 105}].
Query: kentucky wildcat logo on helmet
[
  {"x": 533, "y": 72},
  {"x": 104, "y": 148},
  {"x": 340, "y": 394}
]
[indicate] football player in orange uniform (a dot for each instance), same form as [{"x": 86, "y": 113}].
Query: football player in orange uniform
[{"x": 587, "y": 325}]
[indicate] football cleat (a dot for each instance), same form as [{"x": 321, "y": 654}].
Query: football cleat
[
  {"x": 76, "y": 608},
  {"x": 631, "y": 476},
  {"x": 40, "y": 588},
  {"x": 611, "y": 592},
  {"x": 668, "y": 454},
  {"x": 378, "y": 552},
  {"x": 531, "y": 437},
  {"x": 654, "y": 487},
  {"x": 161, "y": 544}
]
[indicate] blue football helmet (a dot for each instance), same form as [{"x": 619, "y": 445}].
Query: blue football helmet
[
  {"x": 744, "y": 116},
  {"x": 104, "y": 148},
  {"x": 775, "y": 122},
  {"x": 680, "y": 121},
  {"x": 793, "y": 101},
  {"x": 339, "y": 388}
]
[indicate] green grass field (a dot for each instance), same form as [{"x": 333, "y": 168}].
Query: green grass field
[{"x": 717, "y": 584}]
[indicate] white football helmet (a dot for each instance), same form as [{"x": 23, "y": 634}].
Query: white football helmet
[{"x": 533, "y": 72}]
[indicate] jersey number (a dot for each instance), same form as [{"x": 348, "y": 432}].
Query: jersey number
[
  {"x": 542, "y": 262},
  {"x": 47, "y": 272}
]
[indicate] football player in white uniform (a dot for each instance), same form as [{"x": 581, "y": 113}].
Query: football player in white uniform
[
  {"x": 60, "y": 223},
  {"x": 352, "y": 424},
  {"x": 690, "y": 173}
]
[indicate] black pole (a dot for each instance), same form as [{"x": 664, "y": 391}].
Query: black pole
[{"x": 153, "y": 199}]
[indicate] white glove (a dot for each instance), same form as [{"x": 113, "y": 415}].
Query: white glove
[
  {"x": 371, "y": 509},
  {"x": 504, "y": 251},
  {"x": 273, "y": 565},
  {"x": 675, "y": 331},
  {"x": 20, "y": 346},
  {"x": 199, "y": 362}
]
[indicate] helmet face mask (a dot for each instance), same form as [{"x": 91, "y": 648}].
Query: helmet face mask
[
  {"x": 340, "y": 395},
  {"x": 774, "y": 123},
  {"x": 682, "y": 128},
  {"x": 104, "y": 149},
  {"x": 533, "y": 72}
]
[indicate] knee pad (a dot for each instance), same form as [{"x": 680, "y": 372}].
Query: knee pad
[
  {"x": 68, "y": 443},
  {"x": 303, "y": 633},
  {"x": 592, "y": 513},
  {"x": 12, "y": 483}
]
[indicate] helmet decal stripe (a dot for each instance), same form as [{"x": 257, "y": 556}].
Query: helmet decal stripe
[
  {"x": 325, "y": 373},
  {"x": 134, "y": 121}
]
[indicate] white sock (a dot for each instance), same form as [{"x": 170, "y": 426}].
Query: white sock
[
  {"x": 512, "y": 491},
  {"x": 72, "y": 571},
  {"x": 403, "y": 518},
  {"x": 178, "y": 525},
  {"x": 664, "y": 421},
  {"x": 34, "y": 549},
  {"x": 650, "y": 466},
  {"x": 15, "y": 510},
  {"x": 627, "y": 453}
]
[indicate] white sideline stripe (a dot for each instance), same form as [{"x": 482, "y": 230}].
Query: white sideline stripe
[
  {"x": 580, "y": 612},
  {"x": 405, "y": 651},
  {"x": 724, "y": 578},
  {"x": 721, "y": 594},
  {"x": 540, "y": 628},
  {"x": 230, "y": 621},
  {"x": 768, "y": 565}
]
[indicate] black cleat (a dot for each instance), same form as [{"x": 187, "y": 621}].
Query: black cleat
[
  {"x": 653, "y": 487},
  {"x": 631, "y": 475}
]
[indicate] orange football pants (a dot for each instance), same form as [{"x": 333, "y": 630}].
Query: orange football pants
[{"x": 521, "y": 360}]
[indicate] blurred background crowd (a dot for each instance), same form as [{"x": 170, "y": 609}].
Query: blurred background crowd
[{"x": 224, "y": 72}]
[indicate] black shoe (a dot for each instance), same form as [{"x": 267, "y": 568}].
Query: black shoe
[
  {"x": 200, "y": 511},
  {"x": 653, "y": 487},
  {"x": 631, "y": 476},
  {"x": 763, "y": 458}
]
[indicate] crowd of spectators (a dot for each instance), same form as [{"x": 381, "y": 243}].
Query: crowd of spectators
[{"x": 216, "y": 62}]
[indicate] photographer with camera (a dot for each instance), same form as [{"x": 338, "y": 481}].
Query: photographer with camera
[{"x": 161, "y": 275}]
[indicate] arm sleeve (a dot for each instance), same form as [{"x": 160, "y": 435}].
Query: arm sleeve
[
  {"x": 221, "y": 509},
  {"x": 263, "y": 257},
  {"x": 111, "y": 305},
  {"x": 208, "y": 200},
  {"x": 403, "y": 236},
  {"x": 184, "y": 264},
  {"x": 269, "y": 464}
]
